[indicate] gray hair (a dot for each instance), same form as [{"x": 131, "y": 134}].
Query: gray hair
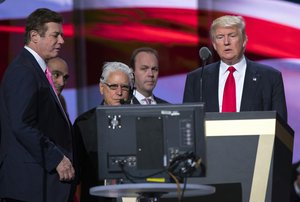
[
  {"x": 110, "y": 67},
  {"x": 228, "y": 21}
]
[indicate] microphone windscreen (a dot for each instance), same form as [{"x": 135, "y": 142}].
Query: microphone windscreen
[
  {"x": 204, "y": 53},
  {"x": 123, "y": 101}
]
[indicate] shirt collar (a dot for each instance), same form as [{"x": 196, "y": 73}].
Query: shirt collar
[
  {"x": 38, "y": 58},
  {"x": 139, "y": 96},
  {"x": 240, "y": 66}
]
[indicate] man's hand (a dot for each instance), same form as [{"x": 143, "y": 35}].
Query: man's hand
[{"x": 65, "y": 170}]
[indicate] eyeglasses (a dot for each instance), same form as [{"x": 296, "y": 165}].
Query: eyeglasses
[{"x": 116, "y": 86}]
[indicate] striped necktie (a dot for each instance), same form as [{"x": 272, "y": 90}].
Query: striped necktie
[{"x": 147, "y": 100}]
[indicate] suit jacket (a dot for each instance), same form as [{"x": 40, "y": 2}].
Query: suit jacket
[
  {"x": 294, "y": 196},
  {"x": 157, "y": 99},
  {"x": 263, "y": 88},
  {"x": 35, "y": 135},
  {"x": 85, "y": 127}
]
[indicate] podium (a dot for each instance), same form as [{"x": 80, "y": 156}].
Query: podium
[{"x": 249, "y": 157}]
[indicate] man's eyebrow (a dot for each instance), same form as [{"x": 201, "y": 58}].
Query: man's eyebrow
[
  {"x": 57, "y": 71},
  {"x": 145, "y": 66},
  {"x": 58, "y": 33}
]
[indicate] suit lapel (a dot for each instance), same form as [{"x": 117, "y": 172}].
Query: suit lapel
[
  {"x": 251, "y": 82},
  {"x": 135, "y": 101},
  {"x": 211, "y": 87},
  {"x": 57, "y": 101},
  {"x": 44, "y": 79}
]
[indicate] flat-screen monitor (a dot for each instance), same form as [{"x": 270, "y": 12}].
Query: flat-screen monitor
[{"x": 151, "y": 142}]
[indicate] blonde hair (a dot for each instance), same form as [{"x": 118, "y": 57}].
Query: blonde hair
[{"x": 228, "y": 21}]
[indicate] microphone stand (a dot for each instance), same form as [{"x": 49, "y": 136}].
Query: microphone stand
[
  {"x": 201, "y": 79},
  {"x": 204, "y": 54}
]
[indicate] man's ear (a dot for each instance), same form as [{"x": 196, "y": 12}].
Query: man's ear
[
  {"x": 214, "y": 45},
  {"x": 34, "y": 36},
  {"x": 245, "y": 41},
  {"x": 101, "y": 86}
]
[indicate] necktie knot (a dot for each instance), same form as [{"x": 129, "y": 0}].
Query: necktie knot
[
  {"x": 231, "y": 69},
  {"x": 148, "y": 100},
  {"x": 47, "y": 72},
  {"x": 49, "y": 77}
]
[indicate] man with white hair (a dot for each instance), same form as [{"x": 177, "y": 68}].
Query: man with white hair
[{"x": 115, "y": 84}]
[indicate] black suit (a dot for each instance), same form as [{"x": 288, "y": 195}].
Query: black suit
[
  {"x": 35, "y": 135},
  {"x": 263, "y": 88},
  {"x": 86, "y": 137},
  {"x": 157, "y": 99},
  {"x": 294, "y": 196}
]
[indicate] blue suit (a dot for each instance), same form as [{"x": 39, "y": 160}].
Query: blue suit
[
  {"x": 263, "y": 88},
  {"x": 35, "y": 135}
]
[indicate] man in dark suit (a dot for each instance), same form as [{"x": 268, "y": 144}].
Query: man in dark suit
[
  {"x": 115, "y": 84},
  {"x": 60, "y": 74},
  {"x": 258, "y": 87},
  {"x": 295, "y": 185},
  {"x": 36, "y": 150},
  {"x": 144, "y": 62}
]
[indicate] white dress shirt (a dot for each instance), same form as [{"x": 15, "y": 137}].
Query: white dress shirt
[
  {"x": 239, "y": 77},
  {"x": 142, "y": 99},
  {"x": 38, "y": 58}
]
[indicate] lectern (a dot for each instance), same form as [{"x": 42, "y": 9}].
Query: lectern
[{"x": 249, "y": 157}]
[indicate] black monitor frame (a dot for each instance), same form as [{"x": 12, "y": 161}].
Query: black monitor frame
[{"x": 137, "y": 141}]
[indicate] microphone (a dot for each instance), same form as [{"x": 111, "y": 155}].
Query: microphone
[
  {"x": 124, "y": 101},
  {"x": 129, "y": 100},
  {"x": 204, "y": 54}
]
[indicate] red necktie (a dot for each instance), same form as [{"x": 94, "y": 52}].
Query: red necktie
[
  {"x": 49, "y": 77},
  {"x": 229, "y": 97}
]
